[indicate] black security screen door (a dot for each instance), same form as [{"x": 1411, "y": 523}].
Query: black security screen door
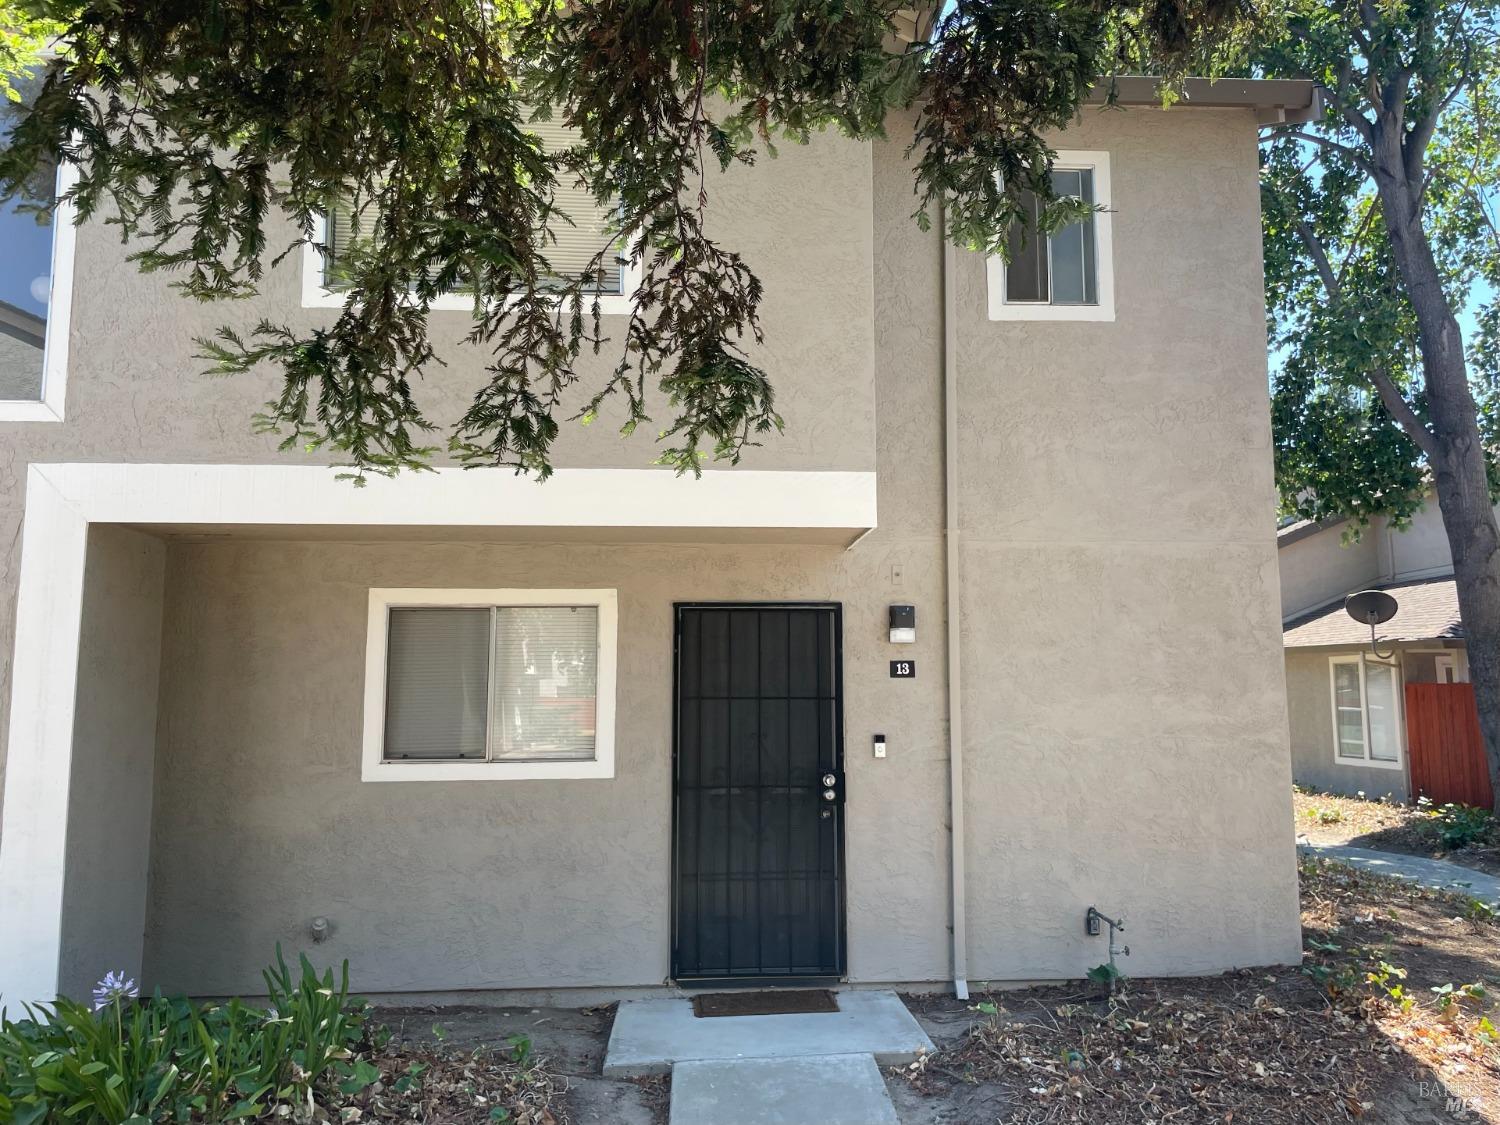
[{"x": 759, "y": 791}]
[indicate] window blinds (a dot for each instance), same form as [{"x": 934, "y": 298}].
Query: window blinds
[
  {"x": 545, "y": 672},
  {"x": 437, "y": 682},
  {"x": 570, "y": 247},
  {"x": 506, "y": 683}
]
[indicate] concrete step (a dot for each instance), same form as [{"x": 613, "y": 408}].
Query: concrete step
[
  {"x": 813, "y": 1090},
  {"x": 649, "y": 1036}
]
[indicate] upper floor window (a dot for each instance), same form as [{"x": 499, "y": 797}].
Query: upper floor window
[
  {"x": 571, "y": 248},
  {"x": 36, "y": 268},
  {"x": 1068, "y": 275},
  {"x": 475, "y": 684}
]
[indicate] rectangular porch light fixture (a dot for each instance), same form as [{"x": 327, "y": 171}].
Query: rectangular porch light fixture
[{"x": 903, "y": 624}]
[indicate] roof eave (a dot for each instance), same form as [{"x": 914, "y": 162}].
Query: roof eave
[{"x": 1275, "y": 101}]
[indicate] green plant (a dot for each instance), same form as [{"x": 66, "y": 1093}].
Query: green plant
[
  {"x": 129, "y": 1062},
  {"x": 1106, "y": 974},
  {"x": 1322, "y": 815},
  {"x": 1461, "y": 825},
  {"x": 1449, "y": 998},
  {"x": 1381, "y": 977}
]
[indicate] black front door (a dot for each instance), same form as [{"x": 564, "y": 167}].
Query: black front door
[{"x": 758, "y": 788}]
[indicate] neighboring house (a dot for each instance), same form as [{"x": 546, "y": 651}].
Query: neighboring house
[
  {"x": 1398, "y": 719},
  {"x": 625, "y": 728}
]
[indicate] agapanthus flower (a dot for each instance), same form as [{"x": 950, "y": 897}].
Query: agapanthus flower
[{"x": 114, "y": 987}]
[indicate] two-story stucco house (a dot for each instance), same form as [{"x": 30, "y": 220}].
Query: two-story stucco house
[{"x": 623, "y": 729}]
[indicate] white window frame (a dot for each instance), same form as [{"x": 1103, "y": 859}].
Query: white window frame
[
  {"x": 1096, "y": 161},
  {"x": 317, "y": 295},
  {"x": 48, "y": 407},
  {"x": 375, "y": 766},
  {"x": 1364, "y": 712}
]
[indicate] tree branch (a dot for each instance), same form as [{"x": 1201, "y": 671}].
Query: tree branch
[
  {"x": 1331, "y": 145},
  {"x": 1395, "y": 402},
  {"x": 1419, "y": 136}
]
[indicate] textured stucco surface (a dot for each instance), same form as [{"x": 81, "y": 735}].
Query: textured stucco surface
[
  {"x": 524, "y": 884},
  {"x": 114, "y": 748},
  {"x": 1309, "y": 689},
  {"x": 1124, "y": 705},
  {"x": 1125, "y": 712},
  {"x": 1322, "y": 567}
]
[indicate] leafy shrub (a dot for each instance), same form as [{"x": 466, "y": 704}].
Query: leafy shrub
[
  {"x": 1461, "y": 825},
  {"x": 129, "y": 1062}
]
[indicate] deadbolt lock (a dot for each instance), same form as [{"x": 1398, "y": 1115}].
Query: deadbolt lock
[{"x": 829, "y": 779}]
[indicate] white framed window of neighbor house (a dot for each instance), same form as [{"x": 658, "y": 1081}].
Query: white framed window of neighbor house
[
  {"x": 489, "y": 685},
  {"x": 575, "y": 238},
  {"x": 1367, "y": 712},
  {"x": 36, "y": 286},
  {"x": 1067, "y": 275}
]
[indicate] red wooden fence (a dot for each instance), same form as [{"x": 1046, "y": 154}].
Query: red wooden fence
[{"x": 1446, "y": 748}]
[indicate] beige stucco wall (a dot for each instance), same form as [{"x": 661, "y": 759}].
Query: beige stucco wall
[
  {"x": 1324, "y": 566},
  {"x": 114, "y": 750},
  {"x": 540, "y": 884},
  {"x": 136, "y": 391},
  {"x": 1121, "y": 644}
]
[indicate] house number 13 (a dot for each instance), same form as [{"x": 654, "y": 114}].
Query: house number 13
[{"x": 903, "y": 669}]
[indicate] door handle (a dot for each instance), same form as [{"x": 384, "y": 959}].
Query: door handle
[{"x": 832, "y": 785}]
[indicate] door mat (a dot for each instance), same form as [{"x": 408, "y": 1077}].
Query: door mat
[{"x": 773, "y": 1002}]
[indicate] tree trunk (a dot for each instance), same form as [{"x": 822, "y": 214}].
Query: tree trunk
[{"x": 1459, "y": 470}]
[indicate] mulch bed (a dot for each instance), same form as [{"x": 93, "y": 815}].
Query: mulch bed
[{"x": 1286, "y": 1046}]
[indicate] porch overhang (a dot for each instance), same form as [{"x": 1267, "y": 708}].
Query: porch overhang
[{"x": 63, "y": 500}]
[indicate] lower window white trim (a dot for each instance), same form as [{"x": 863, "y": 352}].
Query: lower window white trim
[
  {"x": 375, "y": 767},
  {"x": 1096, "y": 160}
]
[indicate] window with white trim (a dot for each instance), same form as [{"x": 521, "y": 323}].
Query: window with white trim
[
  {"x": 1366, "y": 711},
  {"x": 575, "y": 237},
  {"x": 1069, "y": 274},
  {"x": 36, "y": 271},
  {"x": 467, "y": 684}
]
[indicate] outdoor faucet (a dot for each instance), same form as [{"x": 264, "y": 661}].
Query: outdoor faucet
[{"x": 1116, "y": 926}]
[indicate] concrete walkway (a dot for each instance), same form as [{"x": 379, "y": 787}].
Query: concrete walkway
[
  {"x": 815, "y": 1090},
  {"x": 815, "y": 1068},
  {"x": 1435, "y": 873}
]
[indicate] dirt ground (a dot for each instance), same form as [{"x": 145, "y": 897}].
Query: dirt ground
[
  {"x": 1389, "y": 1021},
  {"x": 1386, "y": 826}
]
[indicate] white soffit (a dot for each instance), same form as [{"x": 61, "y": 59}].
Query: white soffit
[{"x": 572, "y": 498}]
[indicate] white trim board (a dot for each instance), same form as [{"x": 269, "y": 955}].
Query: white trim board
[{"x": 63, "y": 499}]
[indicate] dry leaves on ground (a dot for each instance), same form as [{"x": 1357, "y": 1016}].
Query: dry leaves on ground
[
  {"x": 440, "y": 1086},
  {"x": 1361, "y": 1032}
]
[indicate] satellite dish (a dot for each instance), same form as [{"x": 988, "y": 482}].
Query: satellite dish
[{"x": 1371, "y": 607}]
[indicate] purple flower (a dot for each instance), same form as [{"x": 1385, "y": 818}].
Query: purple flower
[{"x": 114, "y": 988}]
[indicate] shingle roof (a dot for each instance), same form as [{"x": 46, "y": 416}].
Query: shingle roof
[{"x": 1428, "y": 612}]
